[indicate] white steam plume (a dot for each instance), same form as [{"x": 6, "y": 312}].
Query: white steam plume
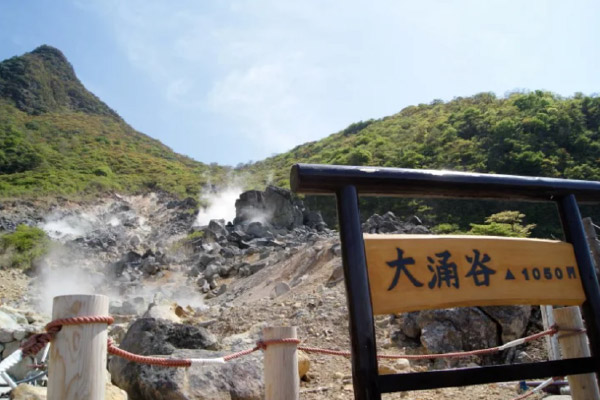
[
  {"x": 221, "y": 205},
  {"x": 71, "y": 226},
  {"x": 63, "y": 272}
]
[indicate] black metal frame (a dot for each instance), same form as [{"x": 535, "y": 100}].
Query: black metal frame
[{"x": 348, "y": 182}]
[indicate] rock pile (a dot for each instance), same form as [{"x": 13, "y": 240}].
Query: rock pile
[
  {"x": 269, "y": 227},
  {"x": 15, "y": 326},
  {"x": 389, "y": 223}
]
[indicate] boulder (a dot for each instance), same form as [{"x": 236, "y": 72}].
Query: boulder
[
  {"x": 456, "y": 329},
  {"x": 217, "y": 226},
  {"x": 257, "y": 229},
  {"x": 238, "y": 379},
  {"x": 314, "y": 220},
  {"x": 156, "y": 336},
  {"x": 275, "y": 206}
]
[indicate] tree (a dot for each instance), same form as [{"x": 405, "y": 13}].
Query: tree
[{"x": 505, "y": 223}]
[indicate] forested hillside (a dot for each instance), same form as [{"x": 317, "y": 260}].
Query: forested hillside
[
  {"x": 537, "y": 134},
  {"x": 57, "y": 138}
]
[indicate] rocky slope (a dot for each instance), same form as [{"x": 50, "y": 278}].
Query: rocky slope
[{"x": 201, "y": 291}]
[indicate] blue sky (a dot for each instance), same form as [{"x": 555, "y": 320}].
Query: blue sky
[{"x": 233, "y": 81}]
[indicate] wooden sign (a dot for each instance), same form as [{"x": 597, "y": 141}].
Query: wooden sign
[{"x": 417, "y": 272}]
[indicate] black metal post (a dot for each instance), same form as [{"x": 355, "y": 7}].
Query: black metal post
[
  {"x": 362, "y": 331},
  {"x": 575, "y": 234}
]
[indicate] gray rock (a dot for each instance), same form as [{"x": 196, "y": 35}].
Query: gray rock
[
  {"x": 281, "y": 288},
  {"x": 229, "y": 252},
  {"x": 206, "y": 259},
  {"x": 19, "y": 335},
  {"x": 257, "y": 229},
  {"x": 212, "y": 283},
  {"x": 135, "y": 241},
  {"x": 254, "y": 268},
  {"x": 408, "y": 324},
  {"x": 212, "y": 270},
  {"x": 456, "y": 329},
  {"x": 225, "y": 270},
  {"x": 336, "y": 250},
  {"x": 150, "y": 266},
  {"x": 217, "y": 226},
  {"x": 11, "y": 319},
  {"x": 512, "y": 320},
  {"x": 419, "y": 230},
  {"x": 12, "y": 322},
  {"x": 389, "y": 223},
  {"x": 275, "y": 206},
  {"x": 239, "y": 379},
  {"x": 6, "y": 336},
  {"x": 222, "y": 289},
  {"x": 156, "y": 336},
  {"x": 205, "y": 288},
  {"x": 314, "y": 220},
  {"x": 135, "y": 306},
  {"x": 336, "y": 276}
]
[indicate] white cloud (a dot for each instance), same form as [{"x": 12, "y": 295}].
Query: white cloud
[
  {"x": 281, "y": 73},
  {"x": 267, "y": 99}
]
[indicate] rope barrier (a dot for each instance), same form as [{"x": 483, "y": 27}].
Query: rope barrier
[
  {"x": 514, "y": 343},
  {"x": 36, "y": 342}
]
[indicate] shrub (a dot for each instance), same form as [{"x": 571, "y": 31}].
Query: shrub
[
  {"x": 505, "y": 223},
  {"x": 24, "y": 246}
]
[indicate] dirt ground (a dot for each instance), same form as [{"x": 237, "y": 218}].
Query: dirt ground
[
  {"x": 13, "y": 286},
  {"x": 317, "y": 307}
]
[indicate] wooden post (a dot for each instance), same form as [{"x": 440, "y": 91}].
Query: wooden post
[
  {"x": 585, "y": 386},
  {"x": 281, "y": 365},
  {"x": 551, "y": 341},
  {"x": 77, "y": 368}
]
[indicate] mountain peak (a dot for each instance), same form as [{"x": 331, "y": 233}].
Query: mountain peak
[
  {"x": 52, "y": 54},
  {"x": 44, "y": 81}
]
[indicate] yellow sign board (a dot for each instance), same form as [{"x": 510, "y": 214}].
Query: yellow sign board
[{"x": 418, "y": 272}]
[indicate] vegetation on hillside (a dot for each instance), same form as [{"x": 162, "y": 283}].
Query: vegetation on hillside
[
  {"x": 44, "y": 81},
  {"x": 535, "y": 134},
  {"x": 56, "y": 138},
  {"x": 23, "y": 247},
  {"x": 505, "y": 223}
]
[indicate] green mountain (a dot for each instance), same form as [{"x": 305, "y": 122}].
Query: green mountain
[
  {"x": 56, "y": 137},
  {"x": 536, "y": 134}
]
